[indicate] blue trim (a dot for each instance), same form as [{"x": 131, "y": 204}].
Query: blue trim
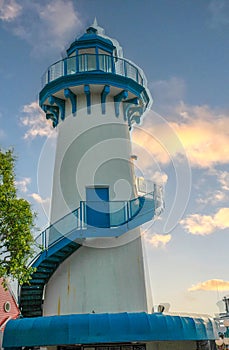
[
  {"x": 88, "y": 98},
  {"x": 97, "y": 57},
  {"x": 91, "y": 41},
  {"x": 60, "y": 103},
  {"x": 106, "y": 328},
  {"x": 99, "y": 78},
  {"x": 128, "y": 104},
  {"x": 73, "y": 98},
  {"x": 117, "y": 100},
  {"x": 105, "y": 92},
  {"x": 51, "y": 113},
  {"x": 122, "y": 64}
]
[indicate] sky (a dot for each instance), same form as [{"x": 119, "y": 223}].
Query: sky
[{"x": 183, "y": 48}]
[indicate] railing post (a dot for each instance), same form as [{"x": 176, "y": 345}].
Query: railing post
[
  {"x": 65, "y": 67},
  {"x": 77, "y": 63},
  {"x": 113, "y": 64},
  {"x": 43, "y": 240},
  {"x": 128, "y": 211},
  {"x": 81, "y": 214},
  {"x": 125, "y": 69},
  {"x": 97, "y": 58},
  {"x": 136, "y": 75}
]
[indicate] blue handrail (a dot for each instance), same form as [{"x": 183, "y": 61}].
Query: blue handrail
[
  {"x": 120, "y": 213},
  {"x": 93, "y": 63}
]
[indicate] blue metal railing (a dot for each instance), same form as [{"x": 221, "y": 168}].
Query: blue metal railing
[
  {"x": 93, "y": 63},
  {"x": 119, "y": 213}
]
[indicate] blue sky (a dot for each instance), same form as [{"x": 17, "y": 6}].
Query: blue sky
[{"x": 183, "y": 48}]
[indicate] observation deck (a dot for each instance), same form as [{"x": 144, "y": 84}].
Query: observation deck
[{"x": 94, "y": 73}]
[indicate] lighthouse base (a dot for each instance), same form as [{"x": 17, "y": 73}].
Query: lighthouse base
[{"x": 98, "y": 280}]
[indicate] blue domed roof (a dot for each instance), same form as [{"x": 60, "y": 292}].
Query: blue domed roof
[{"x": 93, "y": 37}]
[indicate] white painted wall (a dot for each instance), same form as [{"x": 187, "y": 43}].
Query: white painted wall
[
  {"x": 95, "y": 149},
  {"x": 98, "y": 280}
]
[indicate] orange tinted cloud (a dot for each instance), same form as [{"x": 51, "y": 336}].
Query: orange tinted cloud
[
  {"x": 197, "y": 224},
  {"x": 39, "y": 199},
  {"x": 198, "y": 131},
  {"x": 214, "y": 284},
  {"x": 157, "y": 240}
]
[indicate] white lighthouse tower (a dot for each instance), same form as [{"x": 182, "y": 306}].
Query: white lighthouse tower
[
  {"x": 89, "y": 290},
  {"x": 94, "y": 261}
]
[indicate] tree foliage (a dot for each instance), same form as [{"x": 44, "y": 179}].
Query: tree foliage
[{"x": 16, "y": 222}]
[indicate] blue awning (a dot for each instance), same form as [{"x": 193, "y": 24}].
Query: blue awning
[{"x": 106, "y": 328}]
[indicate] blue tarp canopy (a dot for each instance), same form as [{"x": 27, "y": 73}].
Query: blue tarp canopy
[{"x": 106, "y": 328}]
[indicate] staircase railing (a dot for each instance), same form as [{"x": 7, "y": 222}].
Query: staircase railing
[{"x": 119, "y": 213}]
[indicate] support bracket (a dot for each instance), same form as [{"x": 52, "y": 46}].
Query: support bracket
[
  {"x": 73, "y": 98},
  {"x": 117, "y": 100},
  {"x": 60, "y": 103},
  {"x": 105, "y": 92}
]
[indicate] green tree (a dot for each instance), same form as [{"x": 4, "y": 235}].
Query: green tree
[{"x": 16, "y": 222}]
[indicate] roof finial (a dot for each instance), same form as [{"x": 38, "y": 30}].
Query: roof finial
[
  {"x": 99, "y": 29},
  {"x": 95, "y": 23}
]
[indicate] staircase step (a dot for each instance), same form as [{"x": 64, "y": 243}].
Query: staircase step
[
  {"x": 32, "y": 289},
  {"x": 59, "y": 254},
  {"x": 38, "y": 281},
  {"x": 54, "y": 259},
  {"x": 44, "y": 270},
  {"x": 48, "y": 264},
  {"x": 28, "y": 298},
  {"x": 41, "y": 275},
  {"x": 31, "y": 303},
  {"x": 34, "y": 308},
  {"x": 33, "y": 313}
]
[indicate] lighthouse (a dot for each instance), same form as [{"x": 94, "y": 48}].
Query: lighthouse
[
  {"x": 94, "y": 102},
  {"x": 89, "y": 289},
  {"x": 93, "y": 260}
]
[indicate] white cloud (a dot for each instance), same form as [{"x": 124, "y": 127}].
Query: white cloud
[
  {"x": 22, "y": 184},
  {"x": 200, "y": 132},
  {"x": 213, "y": 198},
  {"x": 49, "y": 26},
  {"x": 9, "y": 10},
  {"x": 223, "y": 178},
  {"x": 211, "y": 285},
  {"x": 159, "y": 177},
  {"x": 35, "y": 122},
  {"x": 158, "y": 240},
  {"x": 198, "y": 224},
  {"x": 39, "y": 199}
]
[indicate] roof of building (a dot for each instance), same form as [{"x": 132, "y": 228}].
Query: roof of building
[
  {"x": 106, "y": 328},
  {"x": 8, "y": 306},
  {"x": 96, "y": 34}
]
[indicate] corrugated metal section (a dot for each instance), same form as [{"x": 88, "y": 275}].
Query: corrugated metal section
[{"x": 106, "y": 328}]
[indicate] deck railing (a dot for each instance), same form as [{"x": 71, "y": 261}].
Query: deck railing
[
  {"x": 93, "y": 63},
  {"x": 119, "y": 213}
]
